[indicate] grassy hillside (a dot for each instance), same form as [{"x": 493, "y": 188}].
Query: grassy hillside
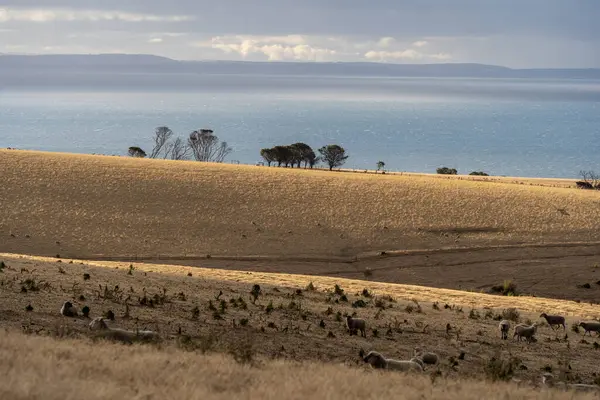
[
  {"x": 212, "y": 311},
  {"x": 43, "y": 368},
  {"x": 85, "y": 206}
]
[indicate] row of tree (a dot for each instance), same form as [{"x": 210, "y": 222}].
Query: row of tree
[
  {"x": 296, "y": 154},
  {"x": 201, "y": 145}
]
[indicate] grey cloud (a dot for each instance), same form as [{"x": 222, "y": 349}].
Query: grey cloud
[
  {"x": 574, "y": 18},
  {"x": 519, "y": 33}
]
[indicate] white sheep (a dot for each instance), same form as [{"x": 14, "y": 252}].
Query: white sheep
[
  {"x": 525, "y": 331},
  {"x": 378, "y": 361},
  {"x": 68, "y": 310},
  {"x": 504, "y": 327},
  {"x": 590, "y": 326},
  {"x": 548, "y": 381},
  {"x": 120, "y": 335},
  {"x": 355, "y": 324},
  {"x": 426, "y": 357},
  {"x": 418, "y": 361},
  {"x": 554, "y": 320}
]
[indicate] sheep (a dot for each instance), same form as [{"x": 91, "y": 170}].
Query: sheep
[
  {"x": 590, "y": 326},
  {"x": 426, "y": 357},
  {"x": 504, "y": 327},
  {"x": 525, "y": 331},
  {"x": 418, "y": 361},
  {"x": 68, "y": 310},
  {"x": 355, "y": 324},
  {"x": 120, "y": 335},
  {"x": 548, "y": 381},
  {"x": 554, "y": 320},
  {"x": 378, "y": 361}
]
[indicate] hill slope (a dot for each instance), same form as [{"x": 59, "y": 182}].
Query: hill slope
[{"x": 84, "y": 206}]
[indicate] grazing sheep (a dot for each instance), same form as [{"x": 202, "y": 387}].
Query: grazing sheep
[
  {"x": 120, "y": 335},
  {"x": 525, "y": 331},
  {"x": 548, "y": 381},
  {"x": 68, "y": 310},
  {"x": 355, "y": 324},
  {"x": 426, "y": 357},
  {"x": 504, "y": 327},
  {"x": 590, "y": 326},
  {"x": 418, "y": 361},
  {"x": 554, "y": 320},
  {"x": 378, "y": 361}
]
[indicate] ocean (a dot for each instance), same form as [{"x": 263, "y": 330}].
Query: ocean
[{"x": 532, "y": 128}]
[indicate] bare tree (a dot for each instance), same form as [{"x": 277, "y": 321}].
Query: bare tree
[
  {"x": 177, "y": 149},
  {"x": 205, "y": 146},
  {"x": 591, "y": 180},
  {"x": 162, "y": 134}
]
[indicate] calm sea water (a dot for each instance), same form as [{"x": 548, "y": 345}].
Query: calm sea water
[{"x": 522, "y": 128}]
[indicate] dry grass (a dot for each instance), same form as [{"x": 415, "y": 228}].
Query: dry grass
[
  {"x": 43, "y": 368},
  {"x": 403, "y": 317},
  {"x": 85, "y": 206}
]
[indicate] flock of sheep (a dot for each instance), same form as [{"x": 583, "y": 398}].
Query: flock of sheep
[
  {"x": 521, "y": 331},
  {"x": 375, "y": 359}
]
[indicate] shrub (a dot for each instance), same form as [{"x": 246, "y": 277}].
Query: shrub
[
  {"x": 508, "y": 288},
  {"x": 474, "y": 314},
  {"x": 255, "y": 292},
  {"x": 270, "y": 307},
  {"x": 344, "y": 298},
  {"x": 2, "y": 266},
  {"x": 511, "y": 314},
  {"x": 446, "y": 171},
  {"x": 366, "y": 293},
  {"x": 436, "y": 306},
  {"x": 86, "y": 277},
  {"x": 244, "y": 321},
  {"x": 479, "y": 173},
  {"x": 338, "y": 290},
  {"x": 310, "y": 287},
  {"x": 499, "y": 369},
  {"x": 359, "y": 304}
]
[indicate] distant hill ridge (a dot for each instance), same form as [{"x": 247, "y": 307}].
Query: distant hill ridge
[{"x": 22, "y": 66}]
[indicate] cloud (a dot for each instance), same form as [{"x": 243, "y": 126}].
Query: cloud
[
  {"x": 274, "y": 48},
  {"x": 155, "y": 40},
  {"x": 63, "y": 14},
  {"x": 384, "y": 56},
  {"x": 420, "y": 43},
  {"x": 385, "y": 42}
]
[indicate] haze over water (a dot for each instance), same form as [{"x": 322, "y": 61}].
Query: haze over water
[{"x": 538, "y": 128}]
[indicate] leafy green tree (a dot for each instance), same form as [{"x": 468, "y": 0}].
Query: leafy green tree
[
  {"x": 446, "y": 171},
  {"x": 479, "y": 173},
  {"x": 303, "y": 153},
  {"x": 268, "y": 155},
  {"x": 333, "y": 155},
  {"x": 283, "y": 155},
  {"x": 380, "y": 165},
  {"x": 135, "y": 151}
]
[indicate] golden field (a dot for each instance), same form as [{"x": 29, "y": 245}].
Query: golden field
[
  {"x": 410, "y": 240},
  {"x": 304, "y": 325},
  {"x": 90, "y": 206}
]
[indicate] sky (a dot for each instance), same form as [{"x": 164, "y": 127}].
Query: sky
[{"x": 513, "y": 33}]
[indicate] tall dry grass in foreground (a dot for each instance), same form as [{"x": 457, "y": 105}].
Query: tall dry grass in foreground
[
  {"x": 44, "y": 368},
  {"x": 295, "y": 317},
  {"x": 81, "y": 206}
]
